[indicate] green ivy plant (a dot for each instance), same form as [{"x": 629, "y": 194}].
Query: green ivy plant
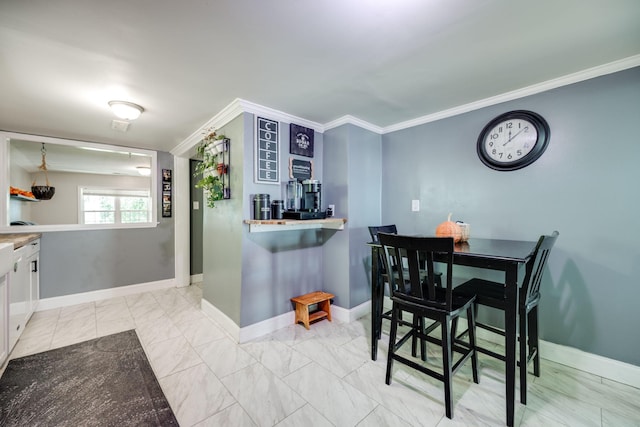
[{"x": 212, "y": 184}]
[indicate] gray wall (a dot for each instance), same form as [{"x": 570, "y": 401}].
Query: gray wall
[
  {"x": 251, "y": 277},
  {"x": 282, "y": 264},
  {"x": 222, "y": 233},
  {"x": 584, "y": 181},
  {"x": 352, "y": 170},
  {"x": 195, "y": 223},
  {"x": 584, "y": 185},
  {"x": 82, "y": 261}
]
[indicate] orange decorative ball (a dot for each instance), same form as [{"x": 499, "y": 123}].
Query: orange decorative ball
[{"x": 449, "y": 229}]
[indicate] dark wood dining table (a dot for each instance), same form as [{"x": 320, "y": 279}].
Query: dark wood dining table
[{"x": 507, "y": 256}]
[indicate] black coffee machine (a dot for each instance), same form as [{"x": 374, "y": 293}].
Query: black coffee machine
[{"x": 310, "y": 196}]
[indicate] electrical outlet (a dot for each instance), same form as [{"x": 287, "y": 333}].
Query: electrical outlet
[
  {"x": 333, "y": 208},
  {"x": 196, "y": 205},
  {"x": 415, "y": 205}
]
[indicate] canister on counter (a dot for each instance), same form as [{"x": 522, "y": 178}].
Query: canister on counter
[
  {"x": 261, "y": 206},
  {"x": 277, "y": 206}
]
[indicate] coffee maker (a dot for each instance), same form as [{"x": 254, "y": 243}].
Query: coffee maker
[
  {"x": 311, "y": 196},
  {"x": 304, "y": 200}
]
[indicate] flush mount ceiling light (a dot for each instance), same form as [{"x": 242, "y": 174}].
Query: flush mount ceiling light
[
  {"x": 126, "y": 110},
  {"x": 144, "y": 170}
]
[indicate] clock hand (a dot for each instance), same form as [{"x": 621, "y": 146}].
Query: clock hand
[{"x": 511, "y": 137}]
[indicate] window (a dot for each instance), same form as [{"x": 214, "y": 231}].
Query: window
[{"x": 114, "y": 206}]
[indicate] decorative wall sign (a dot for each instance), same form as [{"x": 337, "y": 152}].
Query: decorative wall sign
[
  {"x": 300, "y": 169},
  {"x": 166, "y": 193},
  {"x": 300, "y": 140},
  {"x": 267, "y": 156}
]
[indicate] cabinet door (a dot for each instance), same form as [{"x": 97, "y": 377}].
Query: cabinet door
[
  {"x": 34, "y": 282},
  {"x": 19, "y": 296},
  {"x": 4, "y": 320}
]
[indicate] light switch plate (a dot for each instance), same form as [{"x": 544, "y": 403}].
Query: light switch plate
[
  {"x": 196, "y": 205},
  {"x": 415, "y": 205}
]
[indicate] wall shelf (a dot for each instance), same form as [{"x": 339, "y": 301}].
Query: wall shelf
[
  {"x": 260, "y": 226},
  {"x": 23, "y": 198}
]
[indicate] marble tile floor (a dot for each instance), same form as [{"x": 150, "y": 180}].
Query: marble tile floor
[{"x": 320, "y": 377}]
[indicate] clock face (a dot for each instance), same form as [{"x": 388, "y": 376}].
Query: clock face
[
  {"x": 510, "y": 140},
  {"x": 513, "y": 140}
]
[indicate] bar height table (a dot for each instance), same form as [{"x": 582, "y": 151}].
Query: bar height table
[{"x": 507, "y": 256}]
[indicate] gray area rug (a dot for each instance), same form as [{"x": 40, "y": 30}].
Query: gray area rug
[{"x": 102, "y": 382}]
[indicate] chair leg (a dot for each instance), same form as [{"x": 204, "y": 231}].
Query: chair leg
[
  {"x": 534, "y": 340},
  {"x": 471, "y": 324},
  {"x": 423, "y": 342},
  {"x": 446, "y": 366},
  {"x": 414, "y": 338},
  {"x": 524, "y": 356},
  {"x": 392, "y": 341},
  {"x": 454, "y": 329}
]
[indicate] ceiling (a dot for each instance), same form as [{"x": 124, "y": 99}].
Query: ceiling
[{"x": 381, "y": 61}]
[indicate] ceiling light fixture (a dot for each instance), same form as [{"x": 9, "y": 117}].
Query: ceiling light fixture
[
  {"x": 144, "y": 170},
  {"x": 126, "y": 110}
]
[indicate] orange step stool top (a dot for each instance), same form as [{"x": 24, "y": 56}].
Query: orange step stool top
[{"x": 322, "y": 299}]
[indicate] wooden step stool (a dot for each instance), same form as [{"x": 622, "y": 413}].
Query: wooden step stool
[{"x": 322, "y": 299}]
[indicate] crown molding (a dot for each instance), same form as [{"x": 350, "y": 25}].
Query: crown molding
[
  {"x": 348, "y": 119},
  {"x": 239, "y": 106},
  {"x": 590, "y": 73},
  {"x": 228, "y": 113},
  {"x": 281, "y": 116},
  {"x": 233, "y": 110}
]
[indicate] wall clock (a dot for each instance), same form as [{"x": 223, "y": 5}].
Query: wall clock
[{"x": 513, "y": 140}]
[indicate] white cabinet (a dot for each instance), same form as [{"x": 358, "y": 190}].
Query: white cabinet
[
  {"x": 4, "y": 319},
  {"x": 6, "y": 262},
  {"x": 23, "y": 289},
  {"x": 33, "y": 261}
]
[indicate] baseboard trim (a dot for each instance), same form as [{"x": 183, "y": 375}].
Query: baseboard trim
[
  {"x": 611, "y": 369},
  {"x": 221, "y": 319},
  {"x": 247, "y": 333},
  {"x": 92, "y": 296},
  {"x": 242, "y": 335},
  {"x": 350, "y": 315},
  {"x": 195, "y": 278}
]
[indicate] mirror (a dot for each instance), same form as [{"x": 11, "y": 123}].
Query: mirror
[{"x": 95, "y": 185}]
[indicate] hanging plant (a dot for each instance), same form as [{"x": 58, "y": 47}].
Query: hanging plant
[
  {"x": 210, "y": 179},
  {"x": 43, "y": 192}
]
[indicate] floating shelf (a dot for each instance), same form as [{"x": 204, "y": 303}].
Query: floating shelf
[
  {"x": 264, "y": 225},
  {"x": 23, "y": 198}
]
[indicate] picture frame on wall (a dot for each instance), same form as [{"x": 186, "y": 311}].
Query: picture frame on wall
[
  {"x": 300, "y": 140},
  {"x": 166, "y": 193},
  {"x": 267, "y": 151}
]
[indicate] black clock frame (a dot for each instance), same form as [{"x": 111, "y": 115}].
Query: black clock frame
[{"x": 542, "y": 127}]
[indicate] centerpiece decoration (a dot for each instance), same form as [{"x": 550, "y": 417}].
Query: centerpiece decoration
[{"x": 449, "y": 229}]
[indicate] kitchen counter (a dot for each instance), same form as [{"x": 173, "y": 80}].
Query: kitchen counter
[{"x": 19, "y": 239}]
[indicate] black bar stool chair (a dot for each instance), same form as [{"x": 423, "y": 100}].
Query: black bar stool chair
[
  {"x": 413, "y": 294},
  {"x": 491, "y": 294}
]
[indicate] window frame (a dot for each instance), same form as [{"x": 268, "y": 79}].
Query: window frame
[
  {"x": 117, "y": 193},
  {"x": 5, "y": 162}
]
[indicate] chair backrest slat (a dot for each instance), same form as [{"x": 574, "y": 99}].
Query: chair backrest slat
[
  {"x": 373, "y": 231},
  {"x": 536, "y": 267},
  {"x": 415, "y": 256}
]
